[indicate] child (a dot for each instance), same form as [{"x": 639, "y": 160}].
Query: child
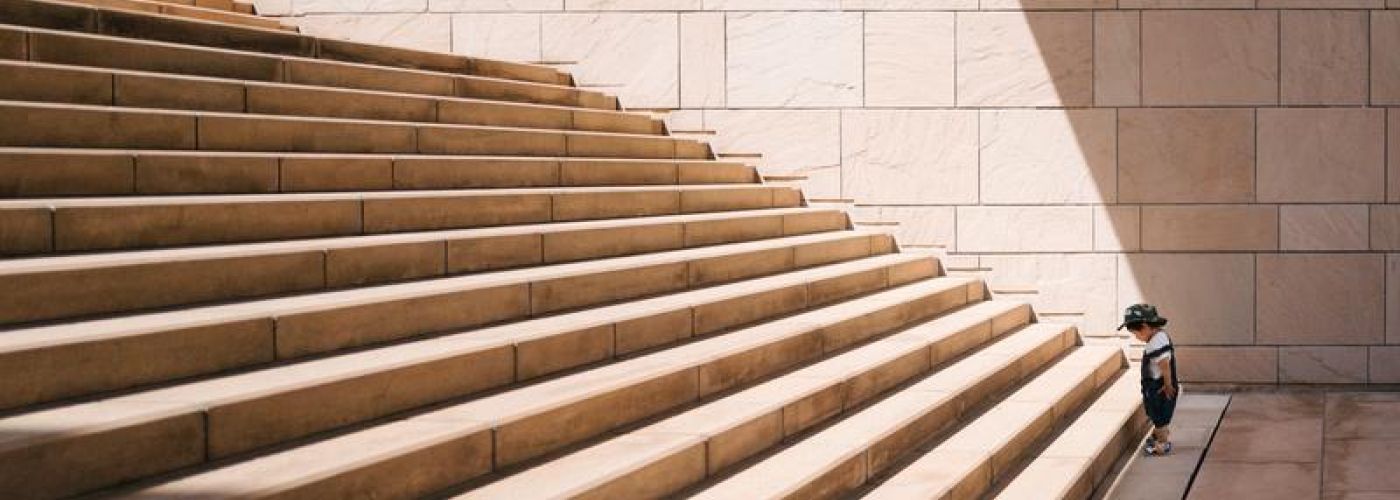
[{"x": 1159, "y": 384}]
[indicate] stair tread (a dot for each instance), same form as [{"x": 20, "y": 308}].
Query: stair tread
[
  {"x": 577, "y": 473},
  {"x": 783, "y": 473},
  {"x": 294, "y": 465},
  {"x": 92, "y": 330},
  {"x": 321, "y": 119},
  {"x": 82, "y": 202},
  {"x": 186, "y": 10},
  {"x": 170, "y": 255},
  {"x": 296, "y": 88},
  {"x": 1065, "y": 461},
  {"x": 205, "y": 394},
  {"x": 430, "y": 83},
  {"x": 959, "y": 456}
]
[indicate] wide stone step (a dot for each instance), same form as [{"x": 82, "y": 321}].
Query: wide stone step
[
  {"x": 461, "y": 442},
  {"x": 663, "y": 458},
  {"x": 37, "y": 172},
  {"x": 239, "y": 6},
  {"x": 42, "y": 82},
  {"x": 222, "y": 15},
  {"x": 28, "y": 124},
  {"x": 51, "y": 288},
  {"x": 48, "y": 363},
  {"x": 99, "y": 51},
  {"x": 89, "y": 445},
  {"x": 843, "y": 457},
  {"x": 56, "y": 225},
  {"x": 184, "y": 30},
  {"x": 1083, "y": 455},
  {"x": 968, "y": 463}
]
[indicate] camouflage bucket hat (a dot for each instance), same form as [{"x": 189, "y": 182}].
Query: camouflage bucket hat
[{"x": 1142, "y": 313}]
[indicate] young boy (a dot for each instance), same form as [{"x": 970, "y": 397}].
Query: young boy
[{"x": 1159, "y": 384}]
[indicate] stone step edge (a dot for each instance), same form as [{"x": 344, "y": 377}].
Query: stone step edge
[
  {"x": 102, "y": 260},
  {"x": 317, "y": 43},
  {"x": 1064, "y": 468},
  {"x": 312, "y": 120},
  {"x": 524, "y": 407},
  {"x": 789, "y": 471},
  {"x": 591, "y": 472},
  {"x": 975, "y": 468},
  {"x": 257, "y": 332},
  {"x": 211, "y": 199},
  {"x": 597, "y": 100},
  {"x": 213, "y": 394},
  {"x": 176, "y": 79}
]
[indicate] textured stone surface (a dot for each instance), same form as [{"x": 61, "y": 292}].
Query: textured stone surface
[
  {"x": 1209, "y": 58},
  {"x": 1025, "y": 59},
  {"x": 1240, "y": 365},
  {"x": 650, "y": 5},
  {"x": 1324, "y": 227},
  {"x": 1313, "y": 299},
  {"x": 418, "y": 31},
  {"x": 358, "y": 6},
  {"x": 791, "y": 142},
  {"x": 909, "y": 4},
  {"x": 1392, "y": 158},
  {"x": 1392, "y": 298},
  {"x": 1185, "y": 4},
  {"x": 1025, "y": 229},
  {"x": 1186, "y": 155},
  {"x": 1048, "y": 156},
  {"x": 636, "y": 50},
  {"x": 1209, "y": 298},
  {"x": 1077, "y": 287},
  {"x": 1323, "y": 57},
  {"x": 909, "y": 59},
  {"x": 1385, "y": 70},
  {"x": 917, "y": 225},
  {"x": 1117, "y": 58},
  {"x": 702, "y": 60},
  {"x": 503, "y": 36},
  {"x": 1321, "y": 155},
  {"x": 1384, "y": 364},
  {"x": 1209, "y": 227},
  {"x": 909, "y": 157},
  {"x": 1322, "y": 365},
  {"x": 492, "y": 5},
  {"x": 1117, "y": 228},
  {"x": 794, "y": 59},
  {"x": 1385, "y": 227}
]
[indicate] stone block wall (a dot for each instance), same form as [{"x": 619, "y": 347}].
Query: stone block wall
[{"x": 1235, "y": 161}]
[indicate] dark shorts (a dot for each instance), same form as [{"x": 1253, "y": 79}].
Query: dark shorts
[{"x": 1159, "y": 408}]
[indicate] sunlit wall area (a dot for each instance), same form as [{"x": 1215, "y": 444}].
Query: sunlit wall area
[{"x": 1236, "y": 162}]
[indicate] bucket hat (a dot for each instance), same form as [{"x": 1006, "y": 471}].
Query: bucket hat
[{"x": 1142, "y": 313}]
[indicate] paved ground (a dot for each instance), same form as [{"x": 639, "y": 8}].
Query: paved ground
[
  {"x": 1163, "y": 478},
  {"x": 1281, "y": 445}
]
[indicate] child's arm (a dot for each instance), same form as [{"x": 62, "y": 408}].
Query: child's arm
[{"x": 1167, "y": 388}]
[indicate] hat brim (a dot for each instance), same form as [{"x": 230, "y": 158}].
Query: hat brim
[{"x": 1157, "y": 322}]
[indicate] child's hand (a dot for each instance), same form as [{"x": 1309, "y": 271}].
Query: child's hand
[{"x": 1169, "y": 391}]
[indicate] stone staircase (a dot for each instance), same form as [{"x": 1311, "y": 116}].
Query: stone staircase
[{"x": 241, "y": 261}]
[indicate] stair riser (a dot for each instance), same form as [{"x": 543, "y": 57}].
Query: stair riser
[
  {"x": 74, "y": 229},
  {"x": 96, "y": 174},
  {"x": 749, "y": 439},
  {"x": 271, "y": 41},
  {"x": 74, "y": 369},
  {"x": 112, "y": 53},
  {"x": 207, "y": 14},
  {"x": 52, "y": 126},
  {"x": 96, "y": 87},
  {"x": 75, "y": 293},
  {"x": 236, "y": 427},
  {"x": 853, "y": 474}
]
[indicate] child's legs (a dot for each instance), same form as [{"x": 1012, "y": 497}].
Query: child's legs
[{"x": 1159, "y": 409}]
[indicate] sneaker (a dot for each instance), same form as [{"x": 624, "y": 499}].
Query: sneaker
[{"x": 1150, "y": 448}]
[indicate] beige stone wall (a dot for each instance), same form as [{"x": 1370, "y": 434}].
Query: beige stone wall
[{"x": 1230, "y": 160}]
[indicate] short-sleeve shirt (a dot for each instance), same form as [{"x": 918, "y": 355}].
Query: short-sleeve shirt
[{"x": 1158, "y": 341}]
